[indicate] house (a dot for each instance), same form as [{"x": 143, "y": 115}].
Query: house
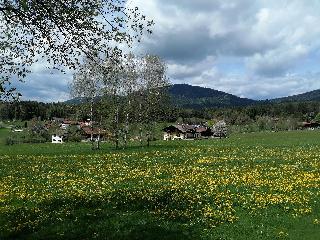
[
  {"x": 57, "y": 120},
  {"x": 17, "y": 130},
  {"x": 185, "y": 131},
  {"x": 96, "y": 133},
  {"x": 66, "y": 123},
  {"x": 174, "y": 132},
  {"x": 310, "y": 125},
  {"x": 83, "y": 124},
  {"x": 57, "y": 138}
]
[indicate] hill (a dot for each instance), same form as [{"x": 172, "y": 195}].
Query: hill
[
  {"x": 187, "y": 96},
  {"x": 304, "y": 97},
  {"x": 195, "y": 97}
]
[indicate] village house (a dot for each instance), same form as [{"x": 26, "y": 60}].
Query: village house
[
  {"x": 185, "y": 131},
  {"x": 66, "y": 123},
  {"x": 57, "y": 120},
  {"x": 57, "y": 138},
  {"x": 96, "y": 133},
  {"x": 310, "y": 125},
  {"x": 62, "y": 130}
]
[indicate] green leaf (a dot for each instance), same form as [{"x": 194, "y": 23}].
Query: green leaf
[{"x": 24, "y": 5}]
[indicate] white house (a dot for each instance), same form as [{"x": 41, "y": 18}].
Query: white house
[
  {"x": 57, "y": 139},
  {"x": 17, "y": 130}
]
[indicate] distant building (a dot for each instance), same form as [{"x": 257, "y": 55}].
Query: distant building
[
  {"x": 185, "y": 131},
  {"x": 311, "y": 125},
  {"x": 57, "y": 120},
  {"x": 66, "y": 123},
  {"x": 17, "y": 130},
  {"x": 57, "y": 138},
  {"x": 96, "y": 133}
]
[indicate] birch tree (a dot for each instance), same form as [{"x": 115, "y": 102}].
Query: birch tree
[
  {"x": 112, "y": 81},
  {"x": 130, "y": 81},
  {"x": 62, "y": 32},
  {"x": 88, "y": 84},
  {"x": 155, "y": 86}
]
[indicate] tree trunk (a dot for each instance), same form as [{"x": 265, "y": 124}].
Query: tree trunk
[
  {"x": 127, "y": 125},
  {"x": 91, "y": 124},
  {"x": 117, "y": 127},
  {"x": 140, "y": 123},
  {"x": 99, "y": 136}
]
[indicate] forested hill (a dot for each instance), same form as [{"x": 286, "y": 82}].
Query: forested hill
[
  {"x": 195, "y": 97},
  {"x": 304, "y": 97},
  {"x": 187, "y": 96}
]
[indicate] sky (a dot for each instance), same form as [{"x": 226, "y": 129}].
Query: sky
[{"x": 258, "y": 49}]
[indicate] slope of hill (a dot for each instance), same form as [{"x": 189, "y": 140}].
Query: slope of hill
[
  {"x": 304, "y": 97},
  {"x": 187, "y": 96},
  {"x": 76, "y": 100}
]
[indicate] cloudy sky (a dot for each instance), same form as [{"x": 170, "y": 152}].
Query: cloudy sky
[{"x": 251, "y": 48}]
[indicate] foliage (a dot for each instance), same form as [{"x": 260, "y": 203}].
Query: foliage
[
  {"x": 131, "y": 90},
  {"x": 28, "y": 110},
  {"x": 195, "y": 97},
  {"x": 260, "y": 117},
  {"x": 28, "y": 136},
  {"x": 308, "y": 96},
  {"x": 62, "y": 32},
  {"x": 220, "y": 129},
  {"x": 317, "y": 118},
  {"x": 74, "y": 134}
]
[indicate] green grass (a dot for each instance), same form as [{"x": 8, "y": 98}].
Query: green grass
[
  {"x": 4, "y": 132},
  {"x": 249, "y": 186}
]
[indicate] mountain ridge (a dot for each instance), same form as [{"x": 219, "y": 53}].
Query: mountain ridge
[
  {"x": 188, "y": 96},
  {"x": 196, "y": 97},
  {"x": 313, "y": 95}
]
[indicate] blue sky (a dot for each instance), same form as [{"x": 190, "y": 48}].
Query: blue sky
[{"x": 256, "y": 49}]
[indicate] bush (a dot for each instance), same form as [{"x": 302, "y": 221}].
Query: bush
[
  {"x": 10, "y": 141},
  {"x": 74, "y": 134},
  {"x": 26, "y": 137}
]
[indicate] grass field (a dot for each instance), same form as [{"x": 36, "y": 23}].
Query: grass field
[
  {"x": 3, "y": 134},
  {"x": 249, "y": 186}
]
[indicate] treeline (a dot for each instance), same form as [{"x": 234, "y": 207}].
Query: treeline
[
  {"x": 27, "y": 110},
  {"x": 267, "y": 116},
  {"x": 301, "y": 111}
]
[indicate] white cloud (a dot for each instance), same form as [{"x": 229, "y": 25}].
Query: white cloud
[
  {"x": 272, "y": 39},
  {"x": 278, "y": 61},
  {"x": 45, "y": 85}
]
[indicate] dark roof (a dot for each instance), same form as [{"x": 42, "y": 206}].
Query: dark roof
[
  {"x": 95, "y": 131},
  {"x": 201, "y": 129},
  {"x": 70, "y": 122},
  {"x": 184, "y": 128},
  {"x": 56, "y": 119},
  {"x": 310, "y": 124}
]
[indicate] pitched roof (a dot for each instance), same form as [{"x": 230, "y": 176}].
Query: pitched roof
[
  {"x": 95, "y": 131},
  {"x": 184, "y": 128}
]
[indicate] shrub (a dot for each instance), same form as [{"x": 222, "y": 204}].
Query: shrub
[{"x": 10, "y": 140}]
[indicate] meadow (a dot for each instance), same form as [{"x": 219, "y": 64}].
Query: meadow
[{"x": 248, "y": 186}]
